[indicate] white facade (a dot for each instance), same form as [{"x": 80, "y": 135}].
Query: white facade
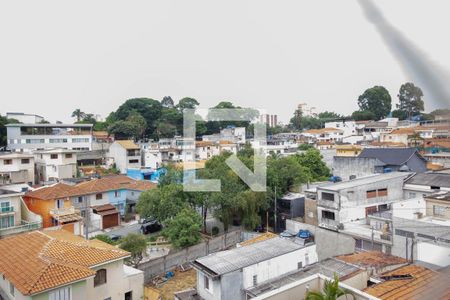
[
  {"x": 16, "y": 168},
  {"x": 25, "y": 118},
  {"x": 349, "y": 128},
  {"x": 56, "y": 164},
  {"x": 125, "y": 158},
  {"x": 29, "y": 137}
]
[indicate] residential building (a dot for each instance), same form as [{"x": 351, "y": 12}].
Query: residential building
[
  {"x": 55, "y": 264},
  {"x": 348, "y": 150},
  {"x": 55, "y": 164},
  {"x": 228, "y": 274},
  {"x": 341, "y": 203},
  {"x": 397, "y": 159},
  {"x": 16, "y": 168},
  {"x": 151, "y": 156},
  {"x": 126, "y": 155},
  {"x": 25, "y": 118},
  {"x": 98, "y": 202},
  {"x": 438, "y": 205},
  {"x": 29, "y": 137},
  {"x": 177, "y": 149},
  {"x": 14, "y": 215},
  {"x": 55, "y": 210},
  {"x": 269, "y": 120},
  {"x": 290, "y": 206},
  {"x": 324, "y": 135},
  {"x": 349, "y": 128},
  {"x": 424, "y": 184}
]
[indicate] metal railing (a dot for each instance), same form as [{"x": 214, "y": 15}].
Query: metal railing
[
  {"x": 26, "y": 226},
  {"x": 7, "y": 209},
  {"x": 63, "y": 211}
]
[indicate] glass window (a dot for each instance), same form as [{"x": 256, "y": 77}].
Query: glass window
[
  {"x": 206, "y": 282},
  {"x": 327, "y": 196},
  {"x": 7, "y": 162},
  {"x": 327, "y": 214},
  {"x": 255, "y": 280},
  {"x": 54, "y": 156},
  {"x": 99, "y": 196},
  {"x": 6, "y": 221},
  {"x": 69, "y": 155},
  {"x": 60, "y": 294},
  {"x": 439, "y": 210},
  {"x": 25, "y": 161},
  {"x": 100, "y": 277}
]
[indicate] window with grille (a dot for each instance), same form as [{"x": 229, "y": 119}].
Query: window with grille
[{"x": 100, "y": 277}]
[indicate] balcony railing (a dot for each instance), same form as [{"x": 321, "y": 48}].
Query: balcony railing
[
  {"x": 7, "y": 209},
  {"x": 385, "y": 215},
  {"x": 26, "y": 226}
]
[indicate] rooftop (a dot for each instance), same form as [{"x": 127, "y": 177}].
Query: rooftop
[
  {"x": 223, "y": 262},
  {"x": 411, "y": 282},
  {"x": 128, "y": 144},
  {"x": 9, "y": 155},
  {"x": 49, "y": 125},
  {"x": 109, "y": 183},
  {"x": 390, "y": 156},
  {"x": 430, "y": 179},
  {"x": 372, "y": 259},
  {"x": 441, "y": 196},
  {"x": 42, "y": 260},
  {"x": 364, "y": 181},
  {"x": 327, "y": 267}
]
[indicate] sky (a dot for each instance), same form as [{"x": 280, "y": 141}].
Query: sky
[{"x": 57, "y": 56}]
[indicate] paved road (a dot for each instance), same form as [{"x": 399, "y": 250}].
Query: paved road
[{"x": 125, "y": 230}]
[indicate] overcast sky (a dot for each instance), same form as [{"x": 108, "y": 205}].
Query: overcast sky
[{"x": 94, "y": 55}]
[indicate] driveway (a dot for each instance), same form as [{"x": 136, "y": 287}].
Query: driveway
[{"x": 125, "y": 230}]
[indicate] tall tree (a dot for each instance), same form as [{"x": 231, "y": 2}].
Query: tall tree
[
  {"x": 148, "y": 108},
  {"x": 136, "y": 245},
  {"x": 77, "y": 113},
  {"x": 410, "y": 97},
  {"x": 167, "y": 102},
  {"x": 376, "y": 100},
  {"x": 184, "y": 229},
  {"x": 187, "y": 102}
]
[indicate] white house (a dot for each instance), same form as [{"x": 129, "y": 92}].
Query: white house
[
  {"x": 55, "y": 164},
  {"x": 25, "y": 118},
  {"x": 227, "y": 274},
  {"x": 126, "y": 155},
  {"x": 16, "y": 168},
  {"x": 29, "y": 137}
]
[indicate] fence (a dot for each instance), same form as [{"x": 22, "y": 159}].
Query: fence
[{"x": 173, "y": 259}]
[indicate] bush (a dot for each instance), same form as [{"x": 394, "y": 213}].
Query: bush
[
  {"x": 105, "y": 238},
  {"x": 215, "y": 230}
]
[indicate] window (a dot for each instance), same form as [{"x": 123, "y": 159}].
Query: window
[
  {"x": 439, "y": 210},
  {"x": 80, "y": 140},
  {"x": 68, "y": 155},
  {"x": 299, "y": 265},
  {"x": 6, "y": 207},
  {"x": 56, "y": 141},
  {"x": 7, "y": 162},
  {"x": 25, "y": 161},
  {"x": 255, "y": 280},
  {"x": 117, "y": 194},
  {"x": 54, "y": 156},
  {"x": 133, "y": 161},
  {"x": 80, "y": 199},
  {"x": 11, "y": 288},
  {"x": 6, "y": 221},
  {"x": 371, "y": 194},
  {"x": 60, "y": 294},
  {"x": 382, "y": 192},
  {"x": 100, "y": 277},
  {"x": 59, "y": 203},
  {"x": 99, "y": 196},
  {"x": 327, "y": 196},
  {"x": 327, "y": 214},
  {"x": 306, "y": 259},
  {"x": 206, "y": 283}
]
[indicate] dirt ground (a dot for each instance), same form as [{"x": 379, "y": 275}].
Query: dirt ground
[{"x": 181, "y": 281}]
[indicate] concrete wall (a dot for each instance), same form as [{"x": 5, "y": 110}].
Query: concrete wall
[
  {"x": 174, "y": 259},
  {"x": 328, "y": 243},
  {"x": 78, "y": 292},
  {"x": 345, "y": 167}
]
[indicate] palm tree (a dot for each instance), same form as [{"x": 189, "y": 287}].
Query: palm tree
[
  {"x": 331, "y": 291},
  {"x": 77, "y": 113}
]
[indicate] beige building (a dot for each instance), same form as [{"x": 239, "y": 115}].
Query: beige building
[
  {"x": 55, "y": 264},
  {"x": 16, "y": 168}
]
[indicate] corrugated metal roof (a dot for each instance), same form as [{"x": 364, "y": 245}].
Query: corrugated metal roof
[
  {"x": 430, "y": 179},
  {"x": 231, "y": 260},
  {"x": 390, "y": 156}
]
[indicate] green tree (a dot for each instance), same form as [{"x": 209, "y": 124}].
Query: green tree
[
  {"x": 187, "y": 102},
  {"x": 410, "y": 97},
  {"x": 363, "y": 115},
  {"x": 329, "y": 115},
  {"x": 105, "y": 238},
  {"x": 136, "y": 245},
  {"x": 77, "y": 113},
  {"x": 148, "y": 108},
  {"x": 331, "y": 291},
  {"x": 3, "y": 135},
  {"x": 184, "y": 229},
  {"x": 133, "y": 127},
  {"x": 376, "y": 100},
  {"x": 162, "y": 203},
  {"x": 304, "y": 147},
  {"x": 313, "y": 161}
]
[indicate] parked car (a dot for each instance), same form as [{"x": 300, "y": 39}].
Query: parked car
[
  {"x": 115, "y": 237},
  {"x": 150, "y": 227}
]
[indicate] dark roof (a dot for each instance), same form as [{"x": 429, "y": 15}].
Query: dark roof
[
  {"x": 390, "y": 156},
  {"x": 430, "y": 179}
]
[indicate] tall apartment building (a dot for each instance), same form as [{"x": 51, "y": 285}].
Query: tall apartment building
[
  {"x": 269, "y": 120},
  {"x": 29, "y": 137}
]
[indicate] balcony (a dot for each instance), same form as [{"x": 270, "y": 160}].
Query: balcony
[
  {"x": 5, "y": 210},
  {"x": 66, "y": 215},
  {"x": 24, "y": 227}
]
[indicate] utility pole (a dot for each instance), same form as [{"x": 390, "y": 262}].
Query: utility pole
[
  {"x": 372, "y": 237},
  {"x": 87, "y": 216},
  {"x": 275, "y": 211}
]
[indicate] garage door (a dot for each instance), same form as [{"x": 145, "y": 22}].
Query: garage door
[{"x": 110, "y": 220}]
